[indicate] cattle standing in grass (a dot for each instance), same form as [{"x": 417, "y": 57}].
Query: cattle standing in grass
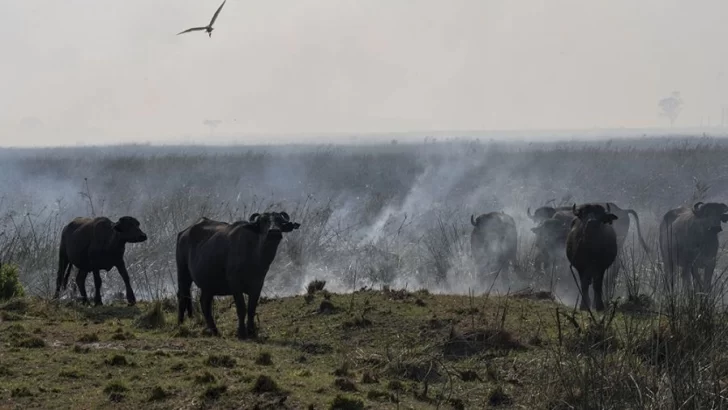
[
  {"x": 591, "y": 247},
  {"x": 494, "y": 243},
  {"x": 228, "y": 259},
  {"x": 689, "y": 241},
  {"x": 621, "y": 228},
  {"x": 95, "y": 244}
]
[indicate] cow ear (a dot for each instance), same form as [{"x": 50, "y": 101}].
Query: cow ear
[
  {"x": 724, "y": 218},
  {"x": 290, "y": 226},
  {"x": 608, "y": 218},
  {"x": 536, "y": 229},
  {"x": 117, "y": 227}
]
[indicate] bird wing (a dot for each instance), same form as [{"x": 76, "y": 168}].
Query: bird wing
[
  {"x": 216, "y": 13},
  {"x": 192, "y": 29}
]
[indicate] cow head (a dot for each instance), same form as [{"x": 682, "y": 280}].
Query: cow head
[
  {"x": 128, "y": 230},
  {"x": 482, "y": 220},
  {"x": 541, "y": 214},
  {"x": 592, "y": 214},
  {"x": 550, "y": 232},
  {"x": 712, "y": 215},
  {"x": 272, "y": 224}
]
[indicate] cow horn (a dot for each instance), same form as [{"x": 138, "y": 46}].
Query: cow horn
[
  {"x": 573, "y": 208},
  {"x": 528, "y": 212},
  {"x": 285, "y": 216},
  {"x": 254, "y": 216},
  {"x": 608, "y": 210},
  {"x": 472, "y": 220},
  {"x": 697, "y": 206}
]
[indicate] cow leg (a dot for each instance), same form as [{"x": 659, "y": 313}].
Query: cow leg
[
  {"x": 241, "y": 311},
  {"x": 63, "y": 263},
  {"x": 184, "y": 302},
  {"x": 184, "y": 291},
  {"x": 669, "y": 265},
  {"x": 81, "y": 285},
  {"x": 206, "y": 305},
  {"x": 687, "y": 271},
  {"x": 504, "y": 268},
  {"x": 598, "y": 296},
  {"x": 611, "y": 275},
  {"x": 698, "y": 285},
  {"x": 97, "y": 286},
  {"x": 538, "y": 263},
  {"x": 252, "y": 305},
  {"x": 708, "y": 276},
  {"x": 121, "y": 267},
  {"x": 585, "y": 280}
]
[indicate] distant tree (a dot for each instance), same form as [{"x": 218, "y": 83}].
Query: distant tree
[
  {"x": 393, "y": 142},
  {"x": 212, "y": 124},
  {"x": 671, "y": 106}
]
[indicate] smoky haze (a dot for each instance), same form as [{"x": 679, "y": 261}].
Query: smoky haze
[
  {"x": 379, "y": 215},
  {"x": 91, "y": 72}
]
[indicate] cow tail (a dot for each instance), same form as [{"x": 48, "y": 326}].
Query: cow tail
[
  {"x": 184, "y": 284},
  {"x": 63, "y": 266},
  {"x": 639, "y": 231},
  {"x": 67, "y": 275}
]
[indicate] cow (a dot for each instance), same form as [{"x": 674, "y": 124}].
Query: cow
[
  {"x": 95, "y": 244},
  {"x": 551, "y": 242},
  {"x": 689, "y": 241},
  {"x": 228, "y": 259},
  {"x": 591, "y": 247},
  {"x": 493, "y": 242}
]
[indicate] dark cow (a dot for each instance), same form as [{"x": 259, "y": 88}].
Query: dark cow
[
  {"x": 95, "y": 244},
  {"x": 591, "y": 247},
  {"x": 493, "y": 242},
  {"x": 228, "y": 259},
  {"x": 689, "y": 241},
  {"x": 551, "y": 242}
]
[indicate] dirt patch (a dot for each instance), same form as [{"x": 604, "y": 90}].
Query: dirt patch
[
  {"x": 533, "y": 294},
  {"x": 475, "y": 342},
  {"x": 315, "y": 348}
]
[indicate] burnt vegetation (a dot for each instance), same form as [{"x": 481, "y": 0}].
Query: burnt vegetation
[{"x": 383, "y": 297}]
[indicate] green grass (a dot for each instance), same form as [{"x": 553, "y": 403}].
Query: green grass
[{"x": 375, "y": 351}]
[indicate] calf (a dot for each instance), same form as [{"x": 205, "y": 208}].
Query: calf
[{"x": 95, "y": 244}]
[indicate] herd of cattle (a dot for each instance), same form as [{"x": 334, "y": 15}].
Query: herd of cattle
[
  {"x": 591, "y": 236},
  {"x": 233, "y": 258}
]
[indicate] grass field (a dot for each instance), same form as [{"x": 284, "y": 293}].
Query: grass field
[
  {"x": 369, "y": 349},
  {"x": 390, "y": 219}
]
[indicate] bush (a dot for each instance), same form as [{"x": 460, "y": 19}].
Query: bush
[{"x": 10, "y": 286}]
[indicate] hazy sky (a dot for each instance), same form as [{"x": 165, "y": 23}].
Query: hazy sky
[{"x": 99, "y": 71}]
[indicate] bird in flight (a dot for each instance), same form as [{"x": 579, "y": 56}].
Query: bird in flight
[{"x": 208, "y": 27}]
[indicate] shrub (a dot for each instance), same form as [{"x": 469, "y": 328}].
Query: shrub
[{"x": 10, "y": 285}]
